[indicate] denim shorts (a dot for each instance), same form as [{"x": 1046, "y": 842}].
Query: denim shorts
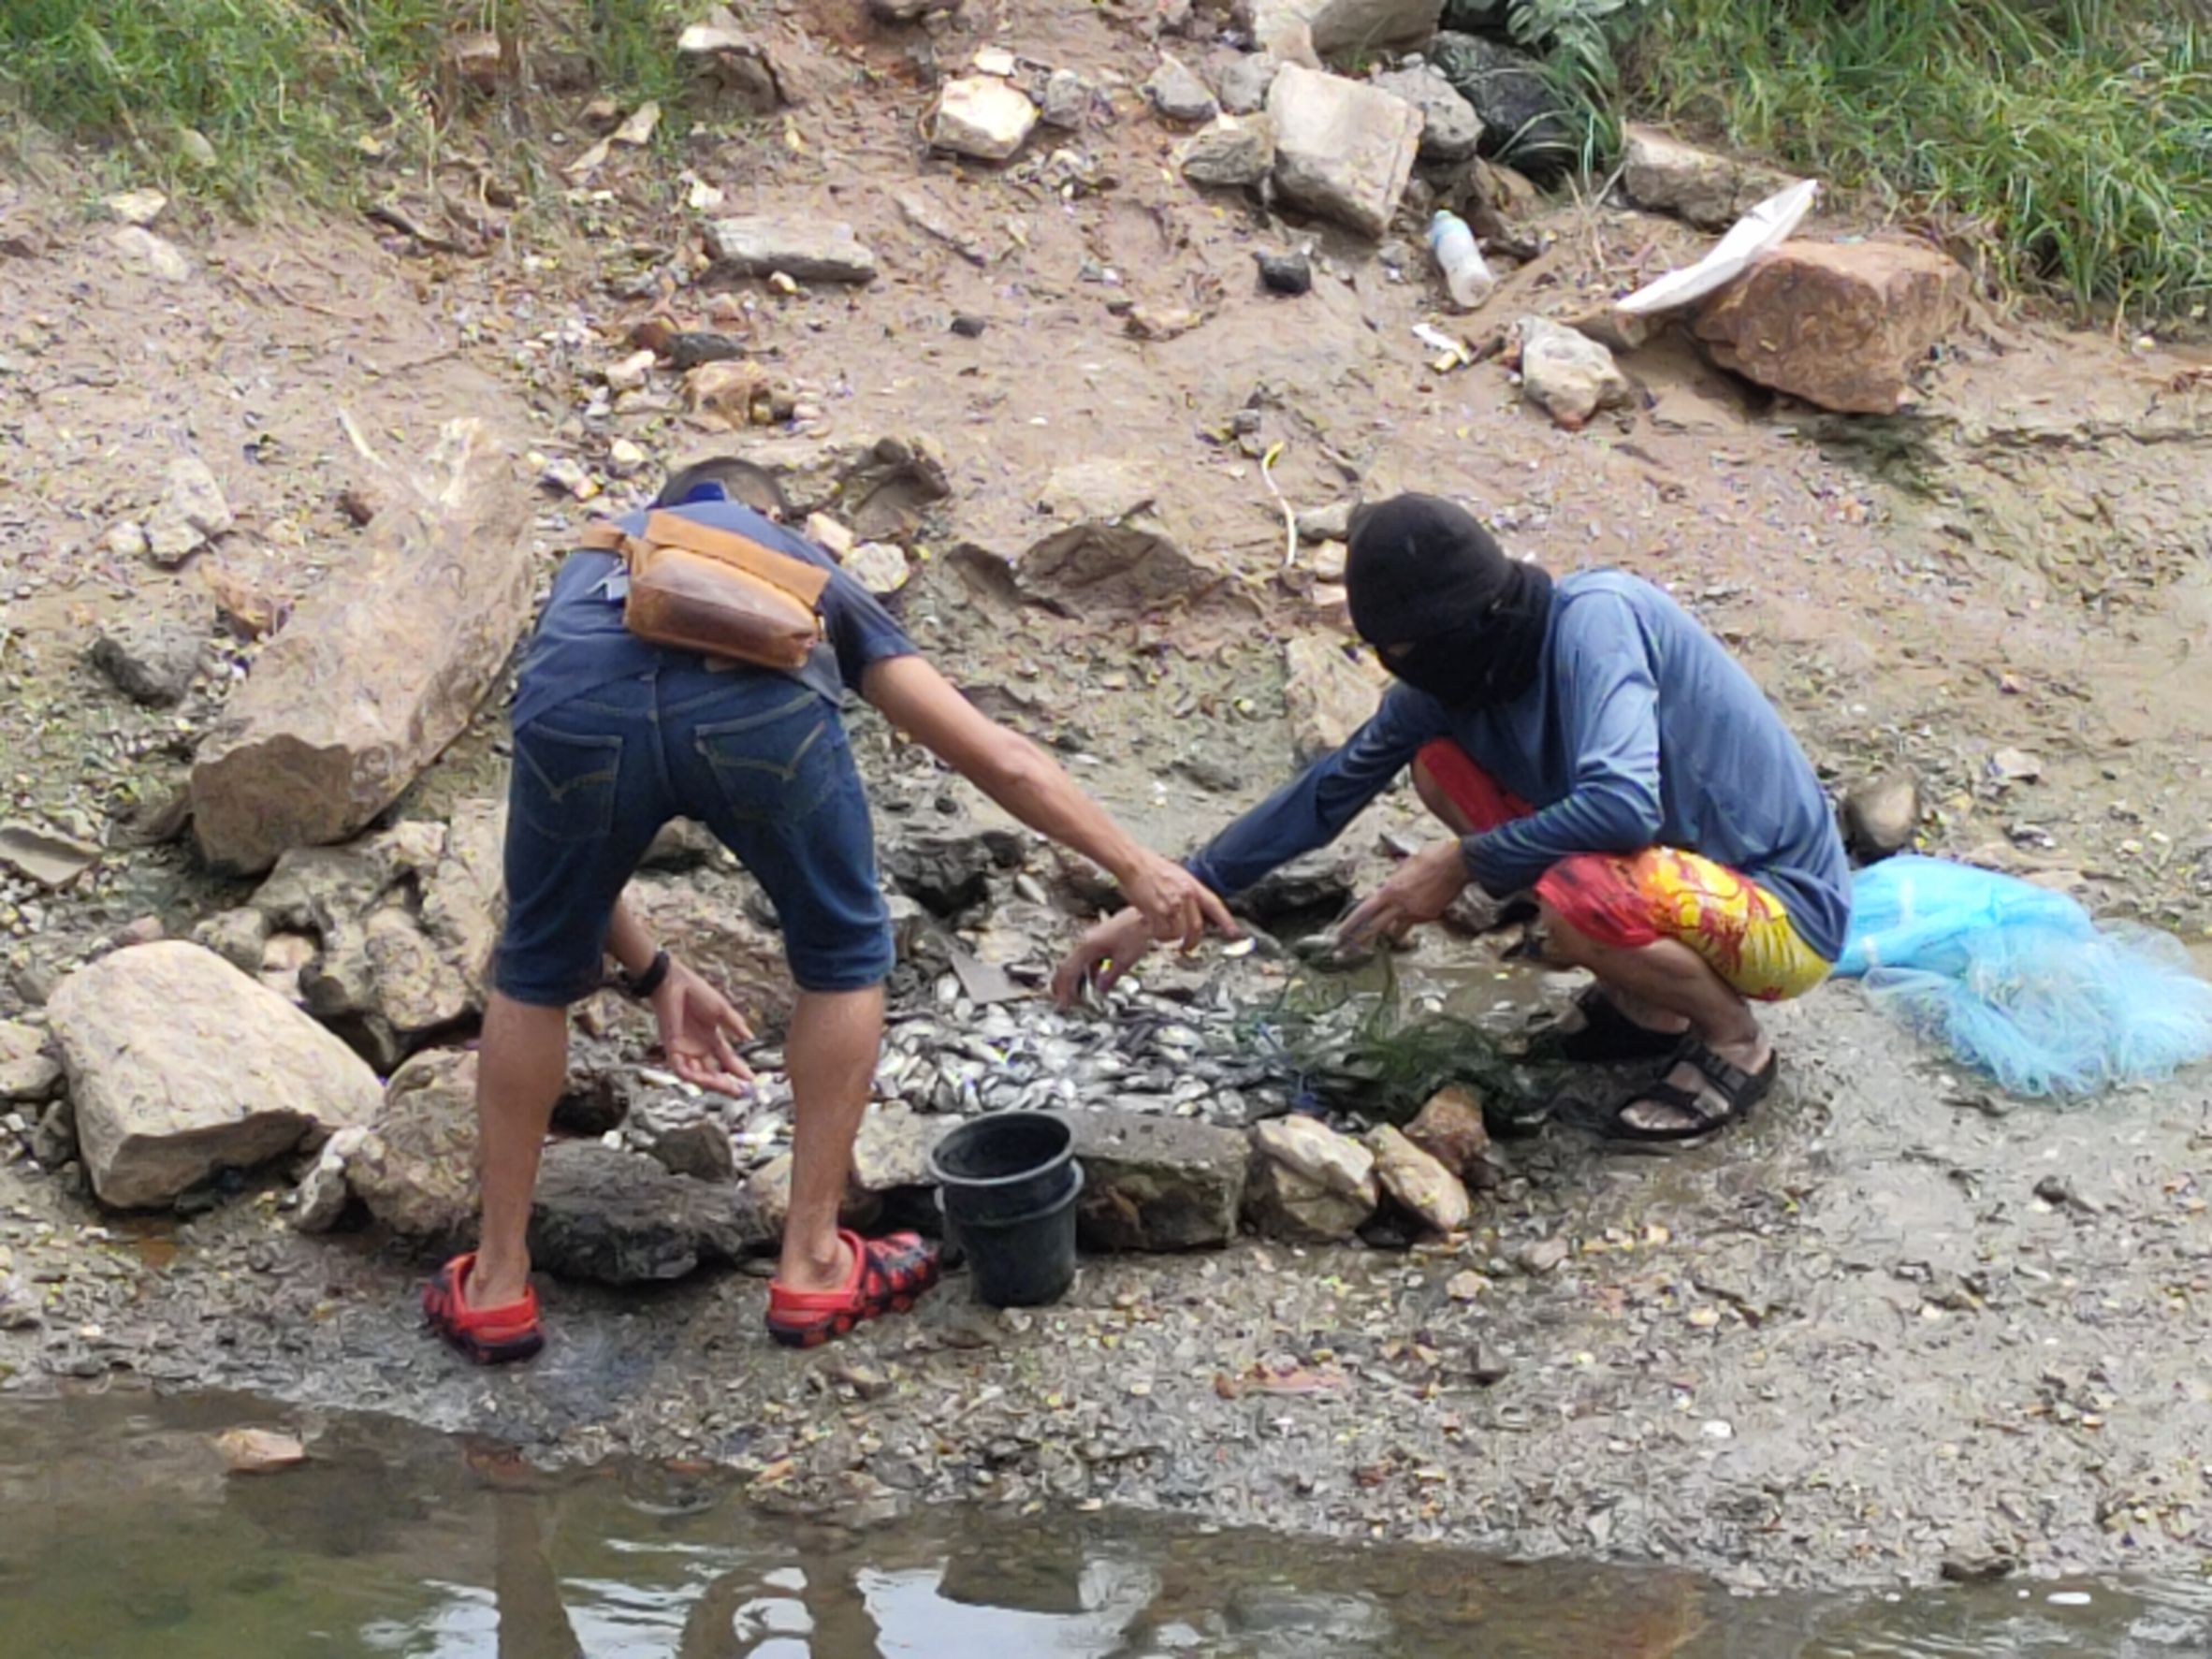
[{"x": 758, "y": 758}]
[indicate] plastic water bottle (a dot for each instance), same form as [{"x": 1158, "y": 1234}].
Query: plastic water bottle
[{"x": 1470, "y": 281}]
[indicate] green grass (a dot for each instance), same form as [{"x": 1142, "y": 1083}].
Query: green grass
[
  {"x": 2069, "y": 143},
  {"x": 284, "y": 91}
]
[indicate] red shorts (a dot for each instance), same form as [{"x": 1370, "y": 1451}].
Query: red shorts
[{"x": 1631, "y": 899}]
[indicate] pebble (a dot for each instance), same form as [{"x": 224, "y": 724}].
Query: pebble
[{"x": 1285, "y": 273}]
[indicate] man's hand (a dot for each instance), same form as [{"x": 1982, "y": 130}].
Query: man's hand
[
  {"x": 1109, "y": 949},
  {"x": 697, "y": 1025},
  {"x": 1175, "y": 904},
  {"x": 1419, "y": 889}
]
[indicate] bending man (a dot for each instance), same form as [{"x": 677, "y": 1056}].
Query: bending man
[
  {"x": 1588, "y": 743},
  {"x": 613, "y": 737}
]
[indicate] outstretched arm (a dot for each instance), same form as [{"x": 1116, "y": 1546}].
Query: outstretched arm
[{"x": 1032, "y": 786}]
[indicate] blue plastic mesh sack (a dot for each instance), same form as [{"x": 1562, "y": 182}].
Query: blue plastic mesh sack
[{"x": 2020, "y": 982}]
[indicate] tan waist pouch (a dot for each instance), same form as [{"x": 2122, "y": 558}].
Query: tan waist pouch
[{"x": 698, "y": 588}]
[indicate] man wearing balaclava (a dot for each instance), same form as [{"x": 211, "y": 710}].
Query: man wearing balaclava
[{"x": 1589, "y": 745}]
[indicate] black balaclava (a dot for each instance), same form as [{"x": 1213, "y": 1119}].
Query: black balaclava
[{"x": 1422, "y": 573}]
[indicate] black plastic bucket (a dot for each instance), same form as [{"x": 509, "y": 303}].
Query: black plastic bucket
[
  {"x": 1023, "y": 1260},
  {"x": 1008, "y": 1165}
]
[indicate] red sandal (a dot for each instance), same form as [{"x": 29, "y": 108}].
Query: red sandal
[
  {"x": 888, "y": 1275},
  {"x": 487, "y": 1335}
]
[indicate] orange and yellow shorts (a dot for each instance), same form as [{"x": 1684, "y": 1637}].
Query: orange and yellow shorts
[{"x": 1631, "y": 899}]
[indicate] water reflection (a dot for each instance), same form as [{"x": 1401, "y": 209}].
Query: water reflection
[{"x": 122, "y": 1538}]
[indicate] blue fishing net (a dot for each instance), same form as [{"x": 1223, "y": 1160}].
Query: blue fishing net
[{"x": 2020, "y": 982}]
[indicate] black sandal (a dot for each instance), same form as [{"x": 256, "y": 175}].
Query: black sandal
[
  {"x": 1738, "y": 1090},
  {"x": 1606, "y": 1037}
]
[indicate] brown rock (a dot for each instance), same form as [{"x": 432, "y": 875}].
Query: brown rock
[
  {"x": 180, "y": 1065},
  {"x": 1450, "y": 1129},
  {"x": 259, "y": 1451},
  {"x": 1839, "y": 323},
  {"x": 380, "y": 668},
  {"x": 1280, "y": 1203},
  {"x": 1107, "y": 545},
  {"x": 416, "y": 1167},
  {"x": 1706, "y": 190},
  {"x": 1421, "y": 1184},
  {"x": 1156, "y": 1183},
  {"x": 1328, "y": 695}
]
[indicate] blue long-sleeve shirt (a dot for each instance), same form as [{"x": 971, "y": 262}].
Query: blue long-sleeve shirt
[{"x": 1640, "y": 729}]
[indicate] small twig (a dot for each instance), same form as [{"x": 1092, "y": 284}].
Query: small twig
[{"x": 1267, "y": 477}]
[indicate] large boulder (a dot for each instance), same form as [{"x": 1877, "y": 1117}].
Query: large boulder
[
  {"x": 619, "y": 1218},
  {"x": 1308, "y": 1184},
  {"x": 180, "y": 1065},
  {"x": 382, "y": 665},
  {"x": 1838, "y": 323},
  {"x": 1451, "y": 129},
  {"x": 1101, "y": 544},
  {"x": 1525, "y": 121},
  {"x": 1328, "y": 694},
  {"x": 1705, "y": 189},
  {"x": 1344, "y": 149},
  {"x": 1340, "y": 26},
  {"x": 1156, "y": 1183}
]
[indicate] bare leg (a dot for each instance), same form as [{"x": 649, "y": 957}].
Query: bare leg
[
  {"x": 520, "y": 1067},
  {"x": 831, "y": 1049},
  {"x": 1666, "y": 978}
]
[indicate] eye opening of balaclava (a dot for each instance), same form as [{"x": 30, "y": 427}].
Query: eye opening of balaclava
[{"x": 1443, "y": 606}]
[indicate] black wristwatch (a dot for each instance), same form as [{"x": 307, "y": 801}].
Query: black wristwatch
[{"x": 645, "y": 983}]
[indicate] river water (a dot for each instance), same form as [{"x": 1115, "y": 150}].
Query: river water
[{"x": 122, "y": 1537}]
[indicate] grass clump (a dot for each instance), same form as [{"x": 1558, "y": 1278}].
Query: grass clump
[
  {"x": 234, "y": 96},
  {"x": 2067, "y": 142}
]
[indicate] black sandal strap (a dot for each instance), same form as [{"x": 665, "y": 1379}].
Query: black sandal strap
[
  {"x": 1742, "y": 1089},
  {"x": 1702, "y": 1119}
]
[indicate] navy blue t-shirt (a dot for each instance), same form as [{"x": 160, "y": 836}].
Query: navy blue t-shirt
[{"x": 581, "y": 645}]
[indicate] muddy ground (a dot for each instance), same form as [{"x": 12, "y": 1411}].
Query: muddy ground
[{"x": 1847, "y": 1344}]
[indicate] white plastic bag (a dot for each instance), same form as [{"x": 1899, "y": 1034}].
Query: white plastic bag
[{"x": 1766, "y": 225}]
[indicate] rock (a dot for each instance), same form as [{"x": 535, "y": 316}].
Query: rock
[
  {"x": 237, "y": 936},
  {"x": 619, "y": 1218},
  {"x": 740, "y": 394},
  {"x": 1067, "y": 100},
  {"x": 415, "y": 1168},
  {"x": 259, "y": 1451},
  {"x": 1451, "y": 129},
  {"x": 892, "y": 1150},
  {"x": 968, "y": 326},
  {"x": 147, "y": 254},
  {"x": 1343, "y": 150},
  {"x": 1542, "y": 1256},
  {"x": 983, "y": 117},
  {"x": 1285, "y": 273},
  {"x": 1708, "y": 191},
  {"x": 237, "y": 1076},
  {"x": 53, "y": 1142},
  {"x": 1525, "y": 121},
  {"x": 693, "y": 1143},
  {"x": 1882, "y": 816},
  {"x": 947, "y": 867},
  {"x": 829, "y": 535},
  {"x": 1112, "y": 546},
  {"x": 193, "y": 146},
  {"x": 625, "y": 459},
  {"x": 907, "y": 11},
  {"x": 320, "y": 1201},
  {"x": 193, "y": 512},
  {"x": 1177, "y": 93},
  {"x": 1838, "y": 323},
  {"x": 1567, "y": 375},
  {"x": 137, "y": 207},
  {"x": 1244, "y": 82},
  {"x": 631, "y": 373},
  {"x": 27, "y": 1072},
  {"x": 378, "y": 669},
  {"x": 566, "y": 476},
  {"x": 702, "y": 919},
  {"x": 1338, "y": 26},
  {"x": 126, "y": 539},
  {"x": 807, "y": 249},
  {"x": 1280, "y": 1203},
  {"x": 45, "y": 856},
  {"x": 1420, "y": 1182},
  {"x": 1156, "y": 1183},
  {"x": 1332, "y": 523},
  {"x": 1328, "y": 694},
  {"x": 152, "y": 661},
  {"x": 879, "y": 566},
  {"x": 1236, "y": 149},
  {"x": 881, "y": 487},
  {"x": 1449, "y": 1128},
  {"x": 1308, "y": 1147}
]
